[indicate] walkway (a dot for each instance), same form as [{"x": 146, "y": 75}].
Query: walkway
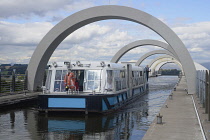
[
  {"x": 17, "y": 98},
  {"x": 179, "y": 118}
]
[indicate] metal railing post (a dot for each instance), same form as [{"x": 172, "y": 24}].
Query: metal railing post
[
  {"x": 0, "y": 80},
  {"x": 207, "y": 92},
  {"x": 25, "y": 83},
  {"x": 208, "y": 95},
  {"x": 204, "y": 88},
  {"x": 13, "y": 80},
  {"x": 26, "y": 80}
]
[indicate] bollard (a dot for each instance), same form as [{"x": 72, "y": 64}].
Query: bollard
[
  {"x": 171, "y": 96},
  {"x": 159, "y": 119},
  {"x": 43, "y": 89}
]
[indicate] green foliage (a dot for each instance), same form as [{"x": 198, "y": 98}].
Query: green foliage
[
  {"x": 170, "y": 72},
  {"x": 7, "y": 69}
]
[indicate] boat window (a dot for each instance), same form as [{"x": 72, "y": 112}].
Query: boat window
[
  {"x": 58, "y": 74},
  {"x": 132, "y": 73},
  {"x": 48, "y": 80},
  {"x": 122, "y": 74},
  {"x": 119, "y": 78},
  {"x": 93, "y": 80},
  {"x": 109, "y": 80},
  {"x": 90, "y": 75},
  {"x": 63, "y": 74},
  {"x": 59, "y": 85}
]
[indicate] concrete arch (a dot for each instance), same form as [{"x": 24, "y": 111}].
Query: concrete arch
[
  {"x": 197, "y": 65},
  {"x": 60, "y": 31},
  {"x": 156, "y": 71},
  {"x": 165, "y": 62},
  {"x": 140, "y": 43},
  {"x": 155, "y": 64},
  {"x": 161, "y": 57},
  {"x": 152, "y": 53}
]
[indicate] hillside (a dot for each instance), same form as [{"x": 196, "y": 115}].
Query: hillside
[{"x": 8, "y": 68}]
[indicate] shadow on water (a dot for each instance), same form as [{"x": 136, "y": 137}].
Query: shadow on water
[{"x": 131, "y": 122}]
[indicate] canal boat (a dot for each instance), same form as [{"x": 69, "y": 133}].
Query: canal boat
[{"x": 99, "y": 87}]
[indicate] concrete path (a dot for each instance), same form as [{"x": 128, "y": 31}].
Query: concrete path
[
  {"x": 179, "y": 118},
  {"x": 17, "y": 98}
]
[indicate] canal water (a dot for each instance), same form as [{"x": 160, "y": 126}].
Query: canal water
[{"x": 129, "y": 123}]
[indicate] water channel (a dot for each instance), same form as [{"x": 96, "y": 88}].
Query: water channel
[{"x": 129, "y": 123}]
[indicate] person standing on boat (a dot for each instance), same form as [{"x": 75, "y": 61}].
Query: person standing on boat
[
  {"x": 147, "y": 70},
  {"x": 69, "y": 81}
]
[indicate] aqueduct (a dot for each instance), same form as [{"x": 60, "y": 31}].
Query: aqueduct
[{"x": 64, "y": 28}]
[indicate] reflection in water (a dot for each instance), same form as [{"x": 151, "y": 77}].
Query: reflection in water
[
  {"x": 12, "y": 119},
  {"x": 131, "y": 122},
  {"x": 112, "y": 126}
]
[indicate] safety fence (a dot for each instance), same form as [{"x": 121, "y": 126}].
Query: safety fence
[
  {"x": 14, "y": 83},
  {"x": 203, "y": 89}
]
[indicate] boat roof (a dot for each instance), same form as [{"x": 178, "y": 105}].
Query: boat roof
[{"x": 89, "y": 65}]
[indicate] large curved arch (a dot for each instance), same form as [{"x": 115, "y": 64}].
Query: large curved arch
[
  {"x": 156, "y": 63},
  {"x": 165, "y": 62},
  {"x": 60, "y": 31},
  {"x": 197, "y": 65},
  {"x": 140, "y": 43},
  {"x": 161, "y": 57},
  {"x": 152, "y": 53}
]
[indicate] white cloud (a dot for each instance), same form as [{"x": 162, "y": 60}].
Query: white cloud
[
  {"x": 89, "y": 42},
  {"x": 102, "y": 42},
  {"x": 87, "y": 33},
  {"x": 196, "y": 37},
  {"x": 30, "y": 8},
  {"x": 23, "y": 34}
]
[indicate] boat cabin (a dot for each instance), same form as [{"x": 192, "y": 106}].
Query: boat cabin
[{"x": 95, "y": 77}]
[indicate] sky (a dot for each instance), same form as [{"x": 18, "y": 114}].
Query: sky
[{"x": 23, "y": 23}]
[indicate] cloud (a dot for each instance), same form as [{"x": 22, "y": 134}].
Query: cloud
[
  {"x": 101, "y": 44},
  {"x": 96, "y": 41},
  {"x": 23, "y": 34},
  {"x": 89, "y": 42},
  {"x": 87, "y": 33},
  {"x": 30, "y": 8},
  {"x": 196, "y": 37}
]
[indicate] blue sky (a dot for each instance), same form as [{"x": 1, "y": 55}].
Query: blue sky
[{"x": 23, "y": 23}]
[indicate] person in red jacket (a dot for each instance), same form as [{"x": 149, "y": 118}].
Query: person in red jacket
[{"x": 69, "y": 81}]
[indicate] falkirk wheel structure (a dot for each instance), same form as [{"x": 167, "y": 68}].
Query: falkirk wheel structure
[
  {"x": 140, "y": 43},
  {"x": 162, "y": 57},
  {"x": 141, "y": 59},
  {"x": 59, "y": 32},
  {"x": 157, "y": 63}
]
